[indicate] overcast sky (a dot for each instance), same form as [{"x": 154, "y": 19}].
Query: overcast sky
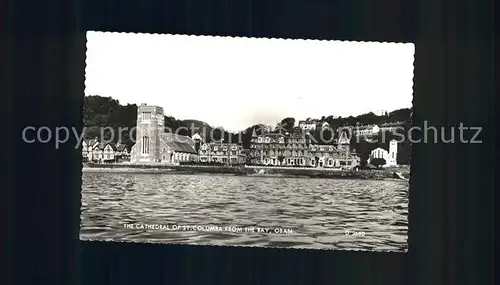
[{"x": 239, "y": 82}]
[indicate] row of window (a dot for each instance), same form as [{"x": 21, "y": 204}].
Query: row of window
[
  {"x": 274, "y": 146},
  {"x": 301, "y": 161},
  {"x": 146, "y": 116},
  {"x": 216, "y": 159},
  {"x": 294, "y": 146},
  {"x": 220, "y": 153},
  {"x": 280, "y": 140},
  {"x": 216, "y": 148},
  {"x": 293, "y": 153}
]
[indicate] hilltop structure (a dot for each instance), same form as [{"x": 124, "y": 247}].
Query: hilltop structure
[
  {"x": 311, "y": 125},
  {"x": 154, "y": 145}
]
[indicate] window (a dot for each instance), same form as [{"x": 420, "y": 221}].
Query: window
[
  {"x": 146, "y": 116},
  {"x": 145, "y": 145}
]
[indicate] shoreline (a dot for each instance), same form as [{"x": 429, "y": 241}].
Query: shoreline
[{"x": 255, "y": 171}]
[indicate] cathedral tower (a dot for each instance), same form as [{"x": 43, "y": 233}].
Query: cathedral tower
[{"x": 150, "y": 126}]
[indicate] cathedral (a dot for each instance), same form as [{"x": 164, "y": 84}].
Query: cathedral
[{"x": 154, "y": 145}]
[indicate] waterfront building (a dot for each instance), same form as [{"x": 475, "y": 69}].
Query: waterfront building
[
  {"x": 95, "y": 151},
  {"x": 390, "y": 156},
  {"x": 296, "y": 149},
  {"x": 220, "y": 152},
  {"x": 103, "y": 152},
  {"x": 87, "y": 149},
  {"x": 122, "y": 152},
  {"x": 268, "y": 148},
  {"x": 154, "y": 145}
]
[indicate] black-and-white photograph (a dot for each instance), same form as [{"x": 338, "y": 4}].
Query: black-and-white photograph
[{"x": 255, "y": 142}]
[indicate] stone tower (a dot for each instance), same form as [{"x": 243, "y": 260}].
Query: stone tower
[{"x": 150, "y": 126}]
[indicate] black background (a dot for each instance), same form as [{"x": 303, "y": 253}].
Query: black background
[{"x": 451, "y": 196}]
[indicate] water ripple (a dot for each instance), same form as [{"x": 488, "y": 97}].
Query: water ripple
[{"x": 319, "y": 211}]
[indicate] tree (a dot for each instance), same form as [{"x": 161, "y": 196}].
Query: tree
[
  {"x": 378, "y": 162},
  {"x": 286, "y": 125},
  {"x": 217, "y": 134},
  {"x": 364, "y": 160}
]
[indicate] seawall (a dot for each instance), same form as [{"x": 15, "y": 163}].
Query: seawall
[{"x": 241, "y": 170}]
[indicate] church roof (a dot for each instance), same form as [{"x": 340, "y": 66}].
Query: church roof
[
  {"x": 180, "y": 147},
  {"x": 379, "y": 148},
  {"x": 177, "y": 138},
  {"x": 178, "y": 143}
]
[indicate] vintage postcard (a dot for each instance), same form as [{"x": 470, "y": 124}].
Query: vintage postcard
[{"x": 251, "y": 142}]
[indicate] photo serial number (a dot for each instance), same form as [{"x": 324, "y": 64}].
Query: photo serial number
[
  {"x": 354, "y": 233},
  {"x": 200, "y": 228}
]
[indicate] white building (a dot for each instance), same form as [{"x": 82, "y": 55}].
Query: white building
[
  {"x": 367, "y": 130},
  {"x": 392, "y": 127},
  {"x": 308, "y": 125},
  {"x": 88, "y": 149},
  {"x": 390, "y": 156}
]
